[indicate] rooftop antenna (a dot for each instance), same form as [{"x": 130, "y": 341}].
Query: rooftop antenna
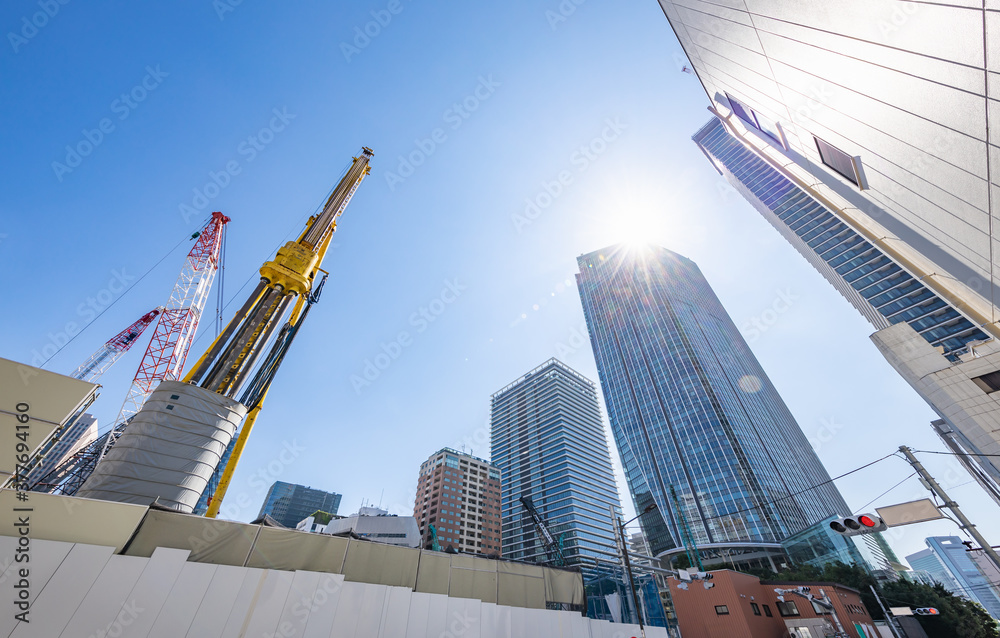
[{"x": 380, "y": 498}]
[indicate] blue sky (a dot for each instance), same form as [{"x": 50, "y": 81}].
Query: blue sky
[{"x": 474, "y": 110}]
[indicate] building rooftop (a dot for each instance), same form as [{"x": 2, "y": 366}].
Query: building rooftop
[
  {"x": 551, "y": 363},
  {"x": 465, "y": 454}
]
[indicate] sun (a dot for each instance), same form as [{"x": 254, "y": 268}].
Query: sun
[{"x": 632, "y": 230}]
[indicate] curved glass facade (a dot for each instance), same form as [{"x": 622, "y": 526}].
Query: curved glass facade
[{"x": 701, "y": 431}]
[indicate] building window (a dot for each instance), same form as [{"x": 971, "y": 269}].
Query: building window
[
  {"x": 788, "y": 608},
  {"x": 767, "y": 611},
  {"x": 755, "y": 119},
  {"x": 756, "y": 609},
  {"x": 843, "y": 164},
  {"x": 722, "y": 610},
  {"x": 988, "y": 382}
]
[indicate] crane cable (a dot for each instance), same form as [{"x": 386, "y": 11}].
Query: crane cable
[{"x": 119, "y": 298}]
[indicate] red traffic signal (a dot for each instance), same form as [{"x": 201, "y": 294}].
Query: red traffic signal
[
  {"x": 854, "y": 525},
  {"x": 926, "y": 611}
]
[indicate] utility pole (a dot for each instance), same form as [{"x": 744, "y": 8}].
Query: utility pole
[
  {"x": 628, "y": 572},
  {"x": 888, "y": 618},
  {"x": 964, "y": 522}
]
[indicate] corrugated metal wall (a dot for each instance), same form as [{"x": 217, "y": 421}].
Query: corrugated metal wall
[{"x": 81, "y": 591}]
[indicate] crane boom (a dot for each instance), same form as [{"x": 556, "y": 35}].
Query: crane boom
[
  {"x": 173, "y": 458},
  {"x": 553, "y": 547},
  {"x": 164, "y": 357},
  {"x": 168, "y": 349},
  {"x": 106, "y": 356},
  {"x": 67, "y": 440}
]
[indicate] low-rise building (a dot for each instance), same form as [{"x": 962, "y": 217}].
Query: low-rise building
[
  {"x": 370, "y": 523},
  {"x": 741, "y": 605}
]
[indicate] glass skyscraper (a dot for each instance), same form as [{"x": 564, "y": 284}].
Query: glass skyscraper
[
  {"x": 548, "y": 441},
  {"x": 880, "y": 113},
  {"x": 289, "y": 504},
  {"x": 876, "y": 285},
  {"x": 701, "y": 431}
]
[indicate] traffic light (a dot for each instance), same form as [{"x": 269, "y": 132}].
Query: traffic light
[
  {"x": 926, "y": 611},
  {"x": 861, "y": 524}
]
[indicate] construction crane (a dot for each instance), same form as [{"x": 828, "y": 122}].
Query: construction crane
[
  {"x": 164, "y": 357},
  {"x": 147, "y": 466},
  {"x": 64, "y": 440},
  {"x": 168, "y": 349},
  {"x": 106, "y": 356},
  {"x": 553, "y": 547},
  {"x": 435, "y": 544}
]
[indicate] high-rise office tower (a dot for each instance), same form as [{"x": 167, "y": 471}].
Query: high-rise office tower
[
  {"x": 701, "y": 431},
  {"x": 289, "y": 504},
  {"x": 547, "y": 438},
  {"x": 459, "y": 494},
  {"x": 948, "y": 562},
  {"x": 879, "y": 111},
  {"x": 548, "y": 441}
]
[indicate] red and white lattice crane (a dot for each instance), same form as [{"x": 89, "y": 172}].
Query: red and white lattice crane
[
  {"x": 164, "y": 358},
  {"x": 168, "y": 349},
  {"x": 105, "y": 357}
]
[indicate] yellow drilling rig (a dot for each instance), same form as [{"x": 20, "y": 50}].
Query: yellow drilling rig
[{"x": 171, "y": 452}]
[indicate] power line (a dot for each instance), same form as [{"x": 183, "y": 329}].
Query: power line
[
  {"x": 808, "y": 489},
  {"x": 116, "y": 300},
  {"x": 995, "y": 456},
  {"x": 863, "y": 507}
]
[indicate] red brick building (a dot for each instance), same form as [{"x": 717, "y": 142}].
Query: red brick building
[
  {"x": 460, "y": 495},
  {"x": 741, "y": 606}
]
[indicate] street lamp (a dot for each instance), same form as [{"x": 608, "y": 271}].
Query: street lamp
[{"x": 628, "y": 564}]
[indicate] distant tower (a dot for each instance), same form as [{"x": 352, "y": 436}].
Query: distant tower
[
  {"x": 548, "y": 441},
  {"x": 289, "y": 504},
  {"x": 692, "y": 412}
]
